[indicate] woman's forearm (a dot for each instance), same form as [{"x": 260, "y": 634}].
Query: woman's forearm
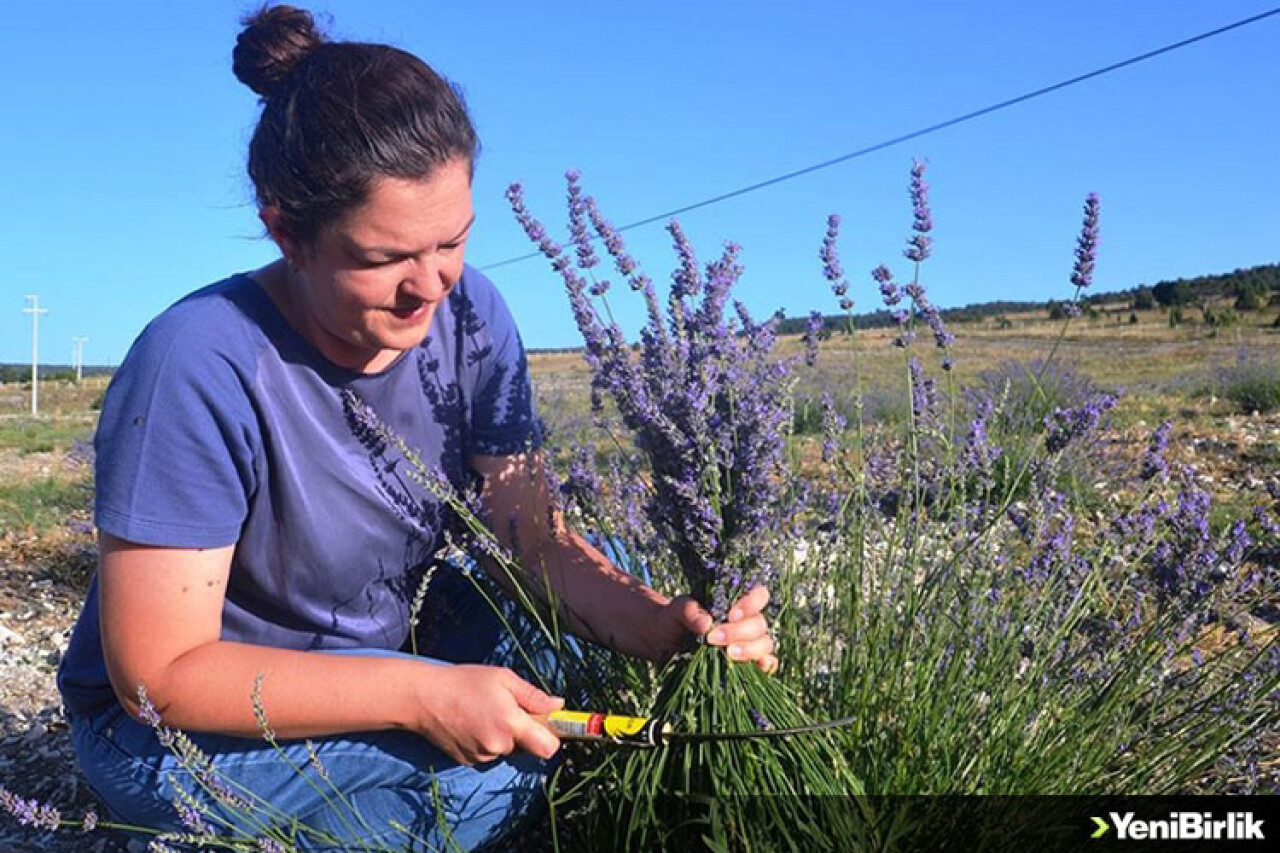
[
  {"x": 599, "y": 601},
  {"x": 303, "y": 694}
]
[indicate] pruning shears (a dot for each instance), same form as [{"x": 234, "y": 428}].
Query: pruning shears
[{"x": 650, "y": 732}]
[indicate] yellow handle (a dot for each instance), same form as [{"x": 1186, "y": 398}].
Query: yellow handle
[{"x": 586, "y": 725}]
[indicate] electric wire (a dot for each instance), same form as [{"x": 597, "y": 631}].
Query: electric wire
[{"x": 916, "y": 134}]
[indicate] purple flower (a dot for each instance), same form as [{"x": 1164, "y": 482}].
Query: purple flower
[
  {"x": 707, "y": 403},
  {"x": 89, "y": 822},
  {"x": 942, "y": 337},
  {"x": 1153, "y": 462},
  {"x": 924, "y": 395},
  {"x": 582, "y": 484},
  {"x": 1067, "y": 425},
  {"x": 888, "y": 290},
  {"x": 918, "y": 245},
  {"x": 30, "y": 813},
  {"x": 760, "y": 721},
  {"x": 1086, "y": 245},
  {"x": 1266, "y": 521},
  {"x": 979, "y": 453},
  {"x": 831, "y": 268},
  {"x": 147, "y": 712},
  {"x": 687, "y": 279},
  {"x": 1240, "y": 542},
  {"x": 578, "y": 233},
  {"x": 190, "y": 817},
  {"x": 812, "y": 330},
  {"x": 833, "y": 425}
]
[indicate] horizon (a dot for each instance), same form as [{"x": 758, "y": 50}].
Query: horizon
[{"x": 659, "y": 108}]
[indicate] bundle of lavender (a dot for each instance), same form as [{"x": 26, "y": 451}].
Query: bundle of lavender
[{"x": 708, "y": 405}]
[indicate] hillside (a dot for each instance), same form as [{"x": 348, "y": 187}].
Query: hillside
[{"x": 1251, "y": 289}]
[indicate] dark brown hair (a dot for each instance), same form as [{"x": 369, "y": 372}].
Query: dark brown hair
[{"x": 338, "y": 115}]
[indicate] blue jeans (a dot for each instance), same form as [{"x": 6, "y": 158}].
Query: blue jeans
[{"x": 385, "y": 777}]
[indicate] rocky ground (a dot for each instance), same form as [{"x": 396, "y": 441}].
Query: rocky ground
[{"x": 41, "y": 590}]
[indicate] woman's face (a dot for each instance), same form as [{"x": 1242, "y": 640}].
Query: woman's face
[{"x": 367, "y": 288}]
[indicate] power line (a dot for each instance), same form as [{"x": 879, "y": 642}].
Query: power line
[{"x": 915, "y": 134}]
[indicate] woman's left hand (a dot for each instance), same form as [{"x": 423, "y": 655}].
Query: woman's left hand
[{"x": 745, "y": 633}]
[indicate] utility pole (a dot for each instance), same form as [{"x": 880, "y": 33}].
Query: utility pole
[
  {"x": 35, "y": 311},
  {"x": 78, "y": 356}
]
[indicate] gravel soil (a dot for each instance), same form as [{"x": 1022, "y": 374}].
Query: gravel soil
[{"x": 41, "y": 590}]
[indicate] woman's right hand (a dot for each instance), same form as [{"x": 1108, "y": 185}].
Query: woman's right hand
[{"x": 480, "y": 713}]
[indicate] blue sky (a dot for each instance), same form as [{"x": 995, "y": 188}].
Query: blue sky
[{"x": 122, "y": 152}]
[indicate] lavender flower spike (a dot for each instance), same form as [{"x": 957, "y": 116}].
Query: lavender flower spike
[
  {"x": 831, "y": 268},
  {"x": 812, "y": 330},
  {"x": 888, "y": 289},
  {"x": 918, "y": 245},
  {"x": 1153, "y": 462},
  {"x": 579, "y": 234},
  {"x": 30, "y": 813},
  {"x": 1087, "y": 245}
]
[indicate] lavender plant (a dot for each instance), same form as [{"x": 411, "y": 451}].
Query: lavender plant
[
  {"x": 707, "y": 405},
  {"x": 991, "y": 629},
  {"x": 1001, "y": 639}
]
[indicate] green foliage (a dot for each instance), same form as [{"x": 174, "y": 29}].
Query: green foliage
[
  {"x": 779, "y": 794},
  {"x": 1219, "y": 319},
  {"x": 806, "y": 418},
  {"x": 40, "y": 435},
  {"x": 45, "y": 504},
  {"x": 1252, "y": 385},
  {"x": 1143, "y": 299},
  {"x": 1251, "y": 296},
  {"x": 1172, "y": 293}
]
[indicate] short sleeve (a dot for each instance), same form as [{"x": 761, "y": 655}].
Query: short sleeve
[
  {"x": 503, "y": 420},
  {"x": 177, "y": 438}
]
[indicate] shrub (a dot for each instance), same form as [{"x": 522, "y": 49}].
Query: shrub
[{"x": 1252, "y": 384}]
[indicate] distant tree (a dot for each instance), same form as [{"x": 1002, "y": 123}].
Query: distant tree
[
  {"x": 1133, "y": 319},
  {"x": 1175, "y": 317},
  {"x": 1252, "y": 294},
  {"x": 1171, "y": 293},
  {"x": 1143, "y": 299},
  {"x": 1057, "y": 310}
]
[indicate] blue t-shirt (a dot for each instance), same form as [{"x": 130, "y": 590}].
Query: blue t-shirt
[{"x": 224, "y": 426}]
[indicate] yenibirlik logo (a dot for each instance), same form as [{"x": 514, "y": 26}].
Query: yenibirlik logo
[{"x": 1183, "y": 826}]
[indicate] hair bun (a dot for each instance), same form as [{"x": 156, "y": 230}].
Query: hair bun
[{"x": 274, "y": 40}]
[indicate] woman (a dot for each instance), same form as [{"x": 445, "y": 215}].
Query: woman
[{"x": 250, "y": 527}]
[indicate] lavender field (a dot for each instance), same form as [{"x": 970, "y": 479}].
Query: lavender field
[{"x": 1022, "y": 550}]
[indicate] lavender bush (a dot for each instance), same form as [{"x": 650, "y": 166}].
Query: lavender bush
[
  {"x": 992, "y": 629},
  {"x": 707, "y": 406}
]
